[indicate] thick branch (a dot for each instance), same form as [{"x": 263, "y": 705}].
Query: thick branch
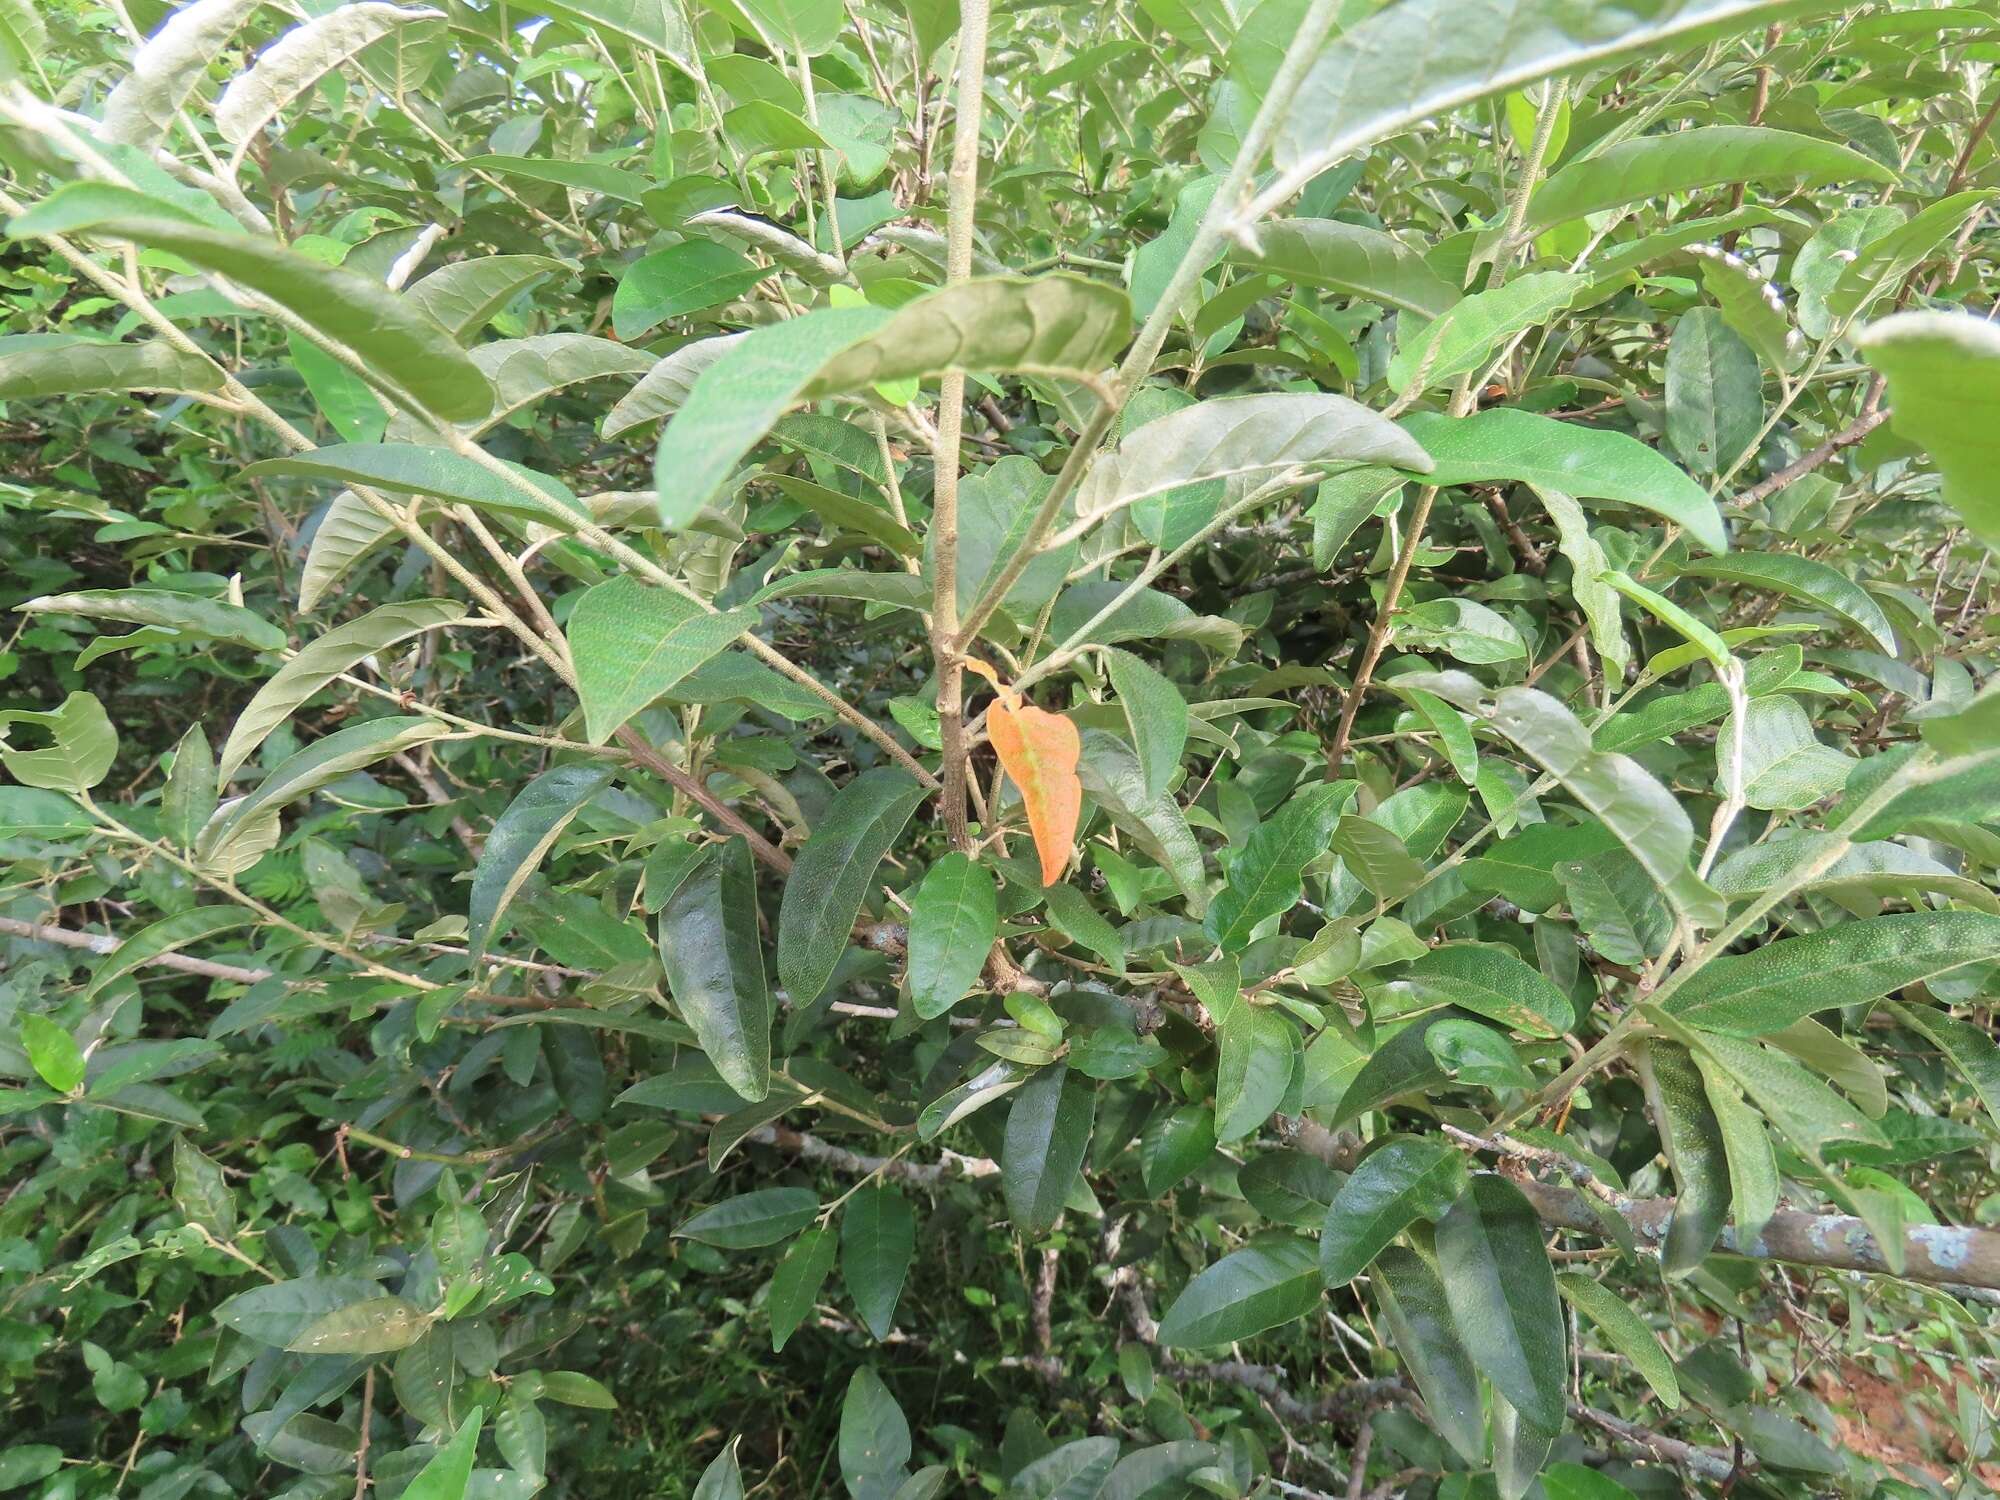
[
  {"x": 95, "y": 942},
  {"x": 1937, "y": 1255},
  {"x": 1799, "y": 467},
  {"x": 946, "y": 650},
  {"x": 811, "y": 1148}
]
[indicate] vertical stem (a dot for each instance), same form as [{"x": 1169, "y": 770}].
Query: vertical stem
[
  {"x": 1461, "y": 404},
  {"x": 1230, "y": 201},
  {"x": 962, "y": 198},
  {"x": 1758, "y": 104},
  {"x": 1378, "y": 634},
  {"x": 823, "y": 162}
]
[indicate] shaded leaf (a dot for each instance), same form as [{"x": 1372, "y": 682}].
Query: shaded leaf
[{"x": 833, "y": 875}]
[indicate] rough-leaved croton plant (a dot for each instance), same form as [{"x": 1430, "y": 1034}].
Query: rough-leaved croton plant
[{"x": 1070, "y": 751}]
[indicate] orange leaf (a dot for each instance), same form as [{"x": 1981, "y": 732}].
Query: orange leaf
[{"x": 1040, "y": 751}]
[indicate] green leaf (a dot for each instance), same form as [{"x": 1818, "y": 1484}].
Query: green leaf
[
  {"x": 878, "y": 1235},
  {"x": 1376, "y": 857},
  {"x": 380, "y": 1325},
  {"x": 1259, "y": 1057},
  {"x": 722, "y": 1479},
  {"x": 1624, "y": 1330},
  {"x": 795, "y": 1285},
  {"x": 1765, "y": 990},
  {"x": 525, "y": 371},
  {"x": 23, "y": 39},
  {"x": 874, "y": 1434},
  {"x": 300, "y": 58},
  {"x": 343, "y": 397},
  {"x": 994, "y": 1081},
  {"x": 407, "y": 469},
  {"x": 278, "y": 1313},
  {"x": 243, "y": 830},
  {"x": 1503, "y": 1297},
  {"x": 201, "y": 1192},
  {"x": 1244, "y": 440},
  {"x": 1051, "y": 325},
  {"x": 1751, "y": 306},
  {"x": 1404, "y": 1179},
  {"x": 714, "y": 962},
  {"x": 1647, "y": 819},
  {"x": 1265, "y": 1285},
  {"x": 667, "y": 387},
  {"x": 833, "y": 875},
  {"x": 1075, "y": 1471},
  {"x": 1420, "y": 1321},
  {"x": 1881, "y": 264},
  {"x": 1944, "y": 395},
  {"x": 168, "y": 935},
  {"x": 681, "y": 279},
  {"x": 463, "y": 296},
  {"x": 52, "y": 1053},
  {"x": 1806, "y": 580},
  {"x": 31, "y": 813},
  {"x": 1616, "y": 904},
  {"x": 1048, "y": 1132},
  {"x": 1692, "y": 1137},
  {"x": 573, "y": 1389},
  {"x": 1490, "y": 979},
  {"x": 1746, "y": 1141},
  {"x": 1803, "y": 1109},
  {"x": 1156, "y": 826},
  {"x": 349, "y": 529},
  {"x": 27, "y": 1463},
  {"x": 584, "y": 176},
  {"x": 84, "y": 745},
  {"x": 165, "y": 69},
  {"x": 1520, "y": 1448},
  {"x": 1469, "y": 1052},
  {"x": 1342, "y": 257},
  {"x": 1410, "y": 62},
  {"x": 187, "y": 614},
  {"x": 1174, "y": 1145},
  {"x": 1156, "y": 715},
  {"x": 750, "y": 1221},
  {"x": 1506, "y": 443},
  {"x": 1289, "y": 1187},
  {"x": 661, "y": 27},
  {"x": 521, "y": 836},
  {"x": 449, "y": 1473},
  {"x": 1264, "y": 878},
  {"x": 954, "y": 918},
  {"x": 1784, "y": 764},
  {"x": 1071, "y": 913},
  {"x": 34, "y": 366},
  {"x": 1461, "y": 340},
  {"x": 1715, "y": 392},
  {"x": 1448, "y": 724},
  {"x": 320, "y": 663},
  {"x": 851, "y": 513},
  {"x": 400, "y": 349},
  {"x": 1968, "y": 1047},
  {"x": 1566, "y": 1481},
  {"x": 1651, "y": 167},
  {"x": 521, "y": 1433},
  {"x": 1397, "y": 1066},
  {"x": 632, "y": 643}
]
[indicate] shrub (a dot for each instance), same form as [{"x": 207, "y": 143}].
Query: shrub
[{"x": 1112, "y": 751}]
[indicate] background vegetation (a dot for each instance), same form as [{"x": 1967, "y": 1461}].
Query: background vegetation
[{"x": 1177, "y": 747}]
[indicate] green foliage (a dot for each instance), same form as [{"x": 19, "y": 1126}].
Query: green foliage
[{"x": 1111, "y": 752}]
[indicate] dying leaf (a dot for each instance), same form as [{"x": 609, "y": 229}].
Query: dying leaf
[{"x": 1040, "y": 751}]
